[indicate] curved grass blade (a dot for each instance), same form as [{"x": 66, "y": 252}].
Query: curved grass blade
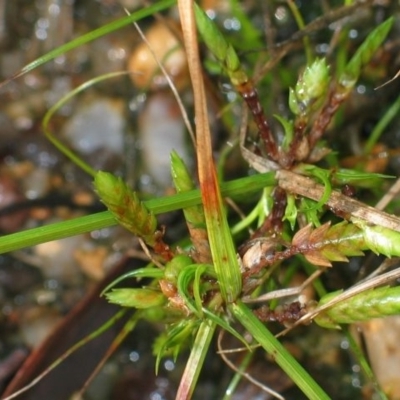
[
  {"x": 174, "y": 338},
  {"x": 137, "y": 273},
  {"x": 390, "y": 113},
  {"x": 191, "y": 274},
  {"x": 92, "y": 35},
  {"x": 225, "y": 326},
  {"x": 300, "y": 23},
  {"x": 49, "y": 114},
  {"x": 125, "y": 331}
]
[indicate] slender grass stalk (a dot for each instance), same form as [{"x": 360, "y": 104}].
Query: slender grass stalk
[
  {"x": 357, "y": 350},
  {"x": 107, "y": 325},
  {"x": 391, "y": 112},
  {"x": 221, "y": 244},
  {"x": 60, "y": 230},
  {"x": 50, "y": 113},
  {"x": 196, "y": 359},
  {"x": 230, "y": 390},
  {"x": 275, "y": 349},
  {"x": 300, "y": 23},
  {"x": 93, "y": 35}
]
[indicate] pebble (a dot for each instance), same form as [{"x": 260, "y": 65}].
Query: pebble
[
  {"x": 168, "y": 50},
  {"x": 99, "y": 123}
]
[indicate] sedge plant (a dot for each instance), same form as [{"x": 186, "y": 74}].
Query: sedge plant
[{"x": 212, "y": 284}]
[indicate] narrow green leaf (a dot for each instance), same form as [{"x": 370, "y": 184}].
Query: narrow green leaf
[
  {"x": 291, "y": 211},
  {"x": 95, "y": 34},
  {"x": 221, "y": 243},
  {"x": 137, "y": 273},
  {"x": 186, "y": 277},
  {"x": 362, "y": 179},
  {"x": 88, "y": 223},
  {"x": 279, "y": 353},
  {"x": 196, "y": 359},
  {"x": 222, "y": 50},
  {"x": 222, "y": 323},
  {"x": 58, "y": 105},
  {"x": 391, "y": 112},
  {"x": 364, "y": 53},
  {"x": 288, "y": 129},
  {"x": 137, "y": 298},
  {"x": 194, "y": 215},
  {"x": 176, "y": 337},
  {"x": 324, "y": 176}
]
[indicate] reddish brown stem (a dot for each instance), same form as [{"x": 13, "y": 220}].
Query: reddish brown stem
[
  {"x": 250, "y": 96},
  {"x": 336, "y": 98},
  {"x": 299, "y": 148}
]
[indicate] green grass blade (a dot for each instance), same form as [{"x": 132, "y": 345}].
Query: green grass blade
[
  {"x": 93, "y": 335},
  {"x": 391, "y": 112},
  {"x": 357, "y": 348},
  {"x": 364, "y": 54},
  {"x": 156, "y": 273},
  {"x": 282, "y": 357},
  {"x": 60, "y": 230},
  {"x": 95, "y": 34},
  {"x": 60, "y": 103},
  {"x": 196, "y": 359},
  {"x": 194, "y": 216}
]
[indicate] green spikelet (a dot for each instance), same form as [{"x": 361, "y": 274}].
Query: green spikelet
[
  {"x": 126, "y": 207},
  {"x": 379, "y": 239},
  {"x": 377, "y": 303}
]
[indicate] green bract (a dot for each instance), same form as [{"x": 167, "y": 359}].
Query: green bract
[
  {"x": 311, "y": 87},
  {"x": 138, "y": 298}
]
